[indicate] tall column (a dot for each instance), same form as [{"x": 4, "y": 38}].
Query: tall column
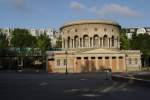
[
  {"x": 99, "y": 42},
  {"x": 72, "y": 43},
  {"x": 118, "y": 45},
  {"x": 96, "y": 63},
  {"x": 108, "y": 43},
  {"x": 102, "y": 43},
  {"x": 117, "y": 63},
  {"x": 124, "y": 63},
  {"x": 98, "y": 45},
  {"x": 62, "y": 43},
  {"x": 78, "y": 43},
  {"x": 92, "y": 41},
  {"x": 103, "y": 61},
  {"x": 88, "y": 43},
  {"x": 110, "y": 60},
  {"x": 66, "y": 43}
]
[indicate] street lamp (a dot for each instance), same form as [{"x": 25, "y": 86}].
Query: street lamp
[
  {"x": 126, "y": 59},
  {"x": 66, "y": 72}
]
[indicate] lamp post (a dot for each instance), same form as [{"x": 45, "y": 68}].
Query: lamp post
[
  {"x": 66, "y": 72},
  {"x": 126, "y": 59}
]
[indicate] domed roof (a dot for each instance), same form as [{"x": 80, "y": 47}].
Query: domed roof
[{"x": 90, "y": 22}]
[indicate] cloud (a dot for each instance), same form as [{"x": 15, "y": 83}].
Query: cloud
[
  {"x": 77, "y": 6},
  {"x": 21, "y": 5},
  {"x": 106, "y": 10},
  {"x": 110, "y": 9}
]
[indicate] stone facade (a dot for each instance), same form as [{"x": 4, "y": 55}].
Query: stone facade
[
  {"x": 92, "y": 46},
  {"x": 90, "y": 34}
]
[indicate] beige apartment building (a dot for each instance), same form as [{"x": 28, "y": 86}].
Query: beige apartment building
[{"x": 92, "y": 46}]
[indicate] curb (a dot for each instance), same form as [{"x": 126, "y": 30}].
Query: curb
[{"x": 131, "y": 80}]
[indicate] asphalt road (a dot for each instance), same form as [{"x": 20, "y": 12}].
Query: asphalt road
[{"x": 43, "y": 86}]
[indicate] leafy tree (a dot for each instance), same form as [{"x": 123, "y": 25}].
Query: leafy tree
[
  {"x": 3, "y": 40},
  {"x": 124, "y": 41},
  {"x": 21, "y": 38},
  {"x": 3, "y": 44},
  {"x": 43, "y": 42},
  {"x": 141, "y": 42}
]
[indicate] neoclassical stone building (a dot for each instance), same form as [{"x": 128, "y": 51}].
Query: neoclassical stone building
[{"x": 91, "y": 46}]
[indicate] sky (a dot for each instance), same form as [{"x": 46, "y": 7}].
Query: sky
[{"x": 54, "y": 13}]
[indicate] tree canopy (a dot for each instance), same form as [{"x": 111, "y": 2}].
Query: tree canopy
[
  {"x": 141, "y": 42},
  {"x": 43, "y": 42},
  {"x": 124, "y": 41},
  {"x": 3, "y": 41},
  {"x": 21, "y": 38}
]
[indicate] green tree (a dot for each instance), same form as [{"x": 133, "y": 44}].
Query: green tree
[
  {"x": 43, "y": 42},
  {"x": 22, "y": 40},
  {"x": 3, "y": 40},
  {"x": 141, "y": 42},
  {"x": 124, "y": 41}
]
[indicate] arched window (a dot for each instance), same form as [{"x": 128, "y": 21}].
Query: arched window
[
  {"x": 100, "y": 42},
  {"x": 85, "y": 41},
  {"x": 68, "y": 42},
  {"x": 112, "y": 41},
  {"x": 105, "y": 39},
  {"x": 96, "y": 41},
  {"x": 76, "y": 41}
]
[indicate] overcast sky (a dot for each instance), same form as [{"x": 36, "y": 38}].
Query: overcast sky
[{"x": 54, "y": 13}]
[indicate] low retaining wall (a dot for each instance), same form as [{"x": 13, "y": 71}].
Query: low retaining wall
[{"x": 131, "y": 80}]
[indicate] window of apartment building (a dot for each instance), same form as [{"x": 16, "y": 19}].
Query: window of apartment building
[
  {"x": 105, "y": 29},
  {"x": 58, "y": 62}
]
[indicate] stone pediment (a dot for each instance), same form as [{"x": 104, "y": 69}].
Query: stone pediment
[{"x": 104, "y": 51}]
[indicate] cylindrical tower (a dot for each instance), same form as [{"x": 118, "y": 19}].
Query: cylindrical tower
[{"x": 90, "y": 34}]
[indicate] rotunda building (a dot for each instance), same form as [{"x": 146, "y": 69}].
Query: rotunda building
[
  {"x": 92, "y": 46},
  {"x": 90, "y": 34}
]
